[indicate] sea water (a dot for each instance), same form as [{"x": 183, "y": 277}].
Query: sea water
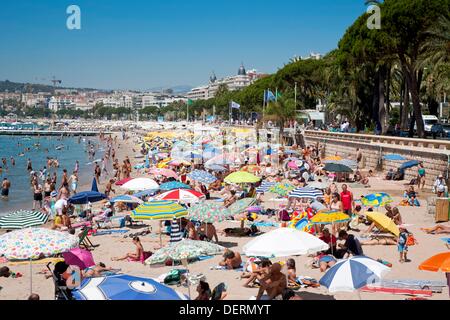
[{"x": 70, "y": 150}]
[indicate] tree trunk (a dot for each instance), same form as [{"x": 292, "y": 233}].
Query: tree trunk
[
  {"x": 405, "y": 99},
  {"x": 382, "y": 115},
  {"x": 388, "y": 95},
  {"x": 375, "y": 103},
  {"x": 416, "y": 105}
]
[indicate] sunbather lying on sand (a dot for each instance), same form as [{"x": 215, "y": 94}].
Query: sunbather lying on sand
[
  {"x": 96, "y": 271},
  {"x": 379, "y": 240},
  {"x": 439, "y": 229}
]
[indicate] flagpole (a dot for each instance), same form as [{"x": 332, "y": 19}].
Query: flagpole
[
  {"x": 230, "y": 113},
  {"x": 276, "y": 95}
]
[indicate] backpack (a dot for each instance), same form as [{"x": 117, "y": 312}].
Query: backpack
[{"x": 173, "y": 277}]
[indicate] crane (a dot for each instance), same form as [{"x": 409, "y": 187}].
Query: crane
[{"x": 55, "y": 82}]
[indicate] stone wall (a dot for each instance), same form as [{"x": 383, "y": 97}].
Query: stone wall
[{"x": 434, "y": 162}]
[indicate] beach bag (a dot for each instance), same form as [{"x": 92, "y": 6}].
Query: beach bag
[
  {"x": 410, "y": 240},
  {"x": 173, "y": 277}
]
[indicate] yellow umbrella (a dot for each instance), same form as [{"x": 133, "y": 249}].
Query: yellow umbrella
[
  {"x": 383, "y": 222},
  {"x": 333, "y": 158},
  {"x": 241, "y": 177},
  {"x": 163, "y": 163}
]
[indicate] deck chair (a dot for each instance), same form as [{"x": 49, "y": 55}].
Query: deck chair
[
  {"x": 84, "y": 240},
  {"x": 61, "y": 292}
]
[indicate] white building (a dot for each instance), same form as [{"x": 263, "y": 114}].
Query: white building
[
  {"x": 55, "y": 104},
  {"x": 233, "y": 83},
  {"x": 159, "y": 100}
]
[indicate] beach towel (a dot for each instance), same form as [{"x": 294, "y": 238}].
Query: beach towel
[
  {"x": 266, "y": 224},
  {"x": 108, "y": 232},
  {"x": 201, "y": 258},
  {"x": 41, "y": 261},
  {"x": 240, "y": 269}
]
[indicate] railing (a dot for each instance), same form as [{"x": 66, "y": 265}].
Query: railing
[{"x": 356, "y": 137}]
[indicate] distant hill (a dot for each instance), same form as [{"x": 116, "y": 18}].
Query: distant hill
[{"x": 31, "y": 87}]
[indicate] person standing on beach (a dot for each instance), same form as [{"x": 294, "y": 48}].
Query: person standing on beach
[
  {"x": 5, "y": 188},
  {"x": 109, "y": 188},
  {"x": 73, "y": 180},
  {"x": 421, "y": 176},
  {"x": 347, "y": 200},
  {"x": 104, "y": 166},
  {"x": 97, "y": 172},
  {"x": 37, "y": 195}
]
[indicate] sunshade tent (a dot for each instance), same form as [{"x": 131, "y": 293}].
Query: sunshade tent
[
  {"x": 383, "y": 222},
  {"x": 241, "y": 177},
  {"x": 376, "y": 199},
  {"x": 139, "y": 184},
  {"x": 79, "y": 257},
  {"x": 305, "y": 192},
  {"x": 202, "y": 176},
  {"x": 124, "y": 287},
  {"x": 336, "y": 167},
  {"x": 352, "y": 274},
  {"x": 284, "y": 242},
  {"x": 437, "y": 262},
  {"x": 158, "y": 210},
  {"x": 184, "y": 249},
  {"x": 23, "y": 219},
  {"x": 182, "y": 195},
  {"x": 209, "y": 212},
  {"x": 173, "y": 185}
]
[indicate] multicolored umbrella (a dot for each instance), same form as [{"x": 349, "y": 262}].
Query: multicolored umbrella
[
  {"x": 178, "y": 162},
  {"x": 23, "y": 219},
  {"x": 329, "y": 217},
  {"x": 376, "y": 199},
  {"x": 35, "y": 243},
  {"x": 185, "y": 249},
  {"x": 123, "y": 181},
  {"x": 241, "y": 205},
  {"x": 182, "y": 195},
  {"x": 158, "y": 210},
  {"x": 241, "y": 177},
  {"x": 173, "y": 185},
  {"x": 124, "y": 287},
  {"x": 202, "y": 176},
  {"x": 209, "y": 212},
  {"x": 164, "y": 172},
  {"x": 282, "y": 188},
  {"x": 438, "y": 262}
]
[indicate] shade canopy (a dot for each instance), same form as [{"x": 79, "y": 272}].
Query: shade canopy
[
  {"x": 173, "y": 185},
  {"x": 383, "y": 222}
]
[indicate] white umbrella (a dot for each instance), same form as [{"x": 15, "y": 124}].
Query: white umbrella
[
  {"x": 284, "y": 242},
  {"x": 139, "y": 184}
]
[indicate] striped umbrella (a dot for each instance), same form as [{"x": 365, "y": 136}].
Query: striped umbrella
[
  {"x": 202, "y": 176},
  {"x": 352, "y": 274},
  {"x": 173, "y": 185},
  {"x": 175, "y": 232},
  {"x": 23, "y": 219},
  {"x": 158, "y": 210},
  {"x": 265, "y": 186},
  {"x": 209, "y": 212},
  {"x": 306, "y": 192}
]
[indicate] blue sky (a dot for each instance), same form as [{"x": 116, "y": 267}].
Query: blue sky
[{"x": 140, "y": 44}]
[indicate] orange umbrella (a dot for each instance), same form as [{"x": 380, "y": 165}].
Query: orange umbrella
[
  {"x": 438, "y": 262},
  {"x": 333, "y": 158}
]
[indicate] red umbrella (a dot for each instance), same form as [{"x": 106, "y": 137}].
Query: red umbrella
[
  {"x": 123, "y": 181},
  {"x": 79, "y": 257}
]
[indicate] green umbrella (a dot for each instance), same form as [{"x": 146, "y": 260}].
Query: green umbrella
[
  {"x": 241, "y": 205},
  {"x": 209, "y": 212},
  {"x": 186, "y": 249}
]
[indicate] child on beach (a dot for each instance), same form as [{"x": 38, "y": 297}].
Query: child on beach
[{"x": 402, "y": 244}]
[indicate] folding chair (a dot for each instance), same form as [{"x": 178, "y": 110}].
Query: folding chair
[{"x": 84, "y": 240}]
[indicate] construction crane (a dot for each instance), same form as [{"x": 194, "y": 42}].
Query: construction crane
[{"x": 55, "y": 82}]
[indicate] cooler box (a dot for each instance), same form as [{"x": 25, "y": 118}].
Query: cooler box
[{"x": 442, "y": 210}]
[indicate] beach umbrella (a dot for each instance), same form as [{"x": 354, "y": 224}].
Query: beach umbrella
[
  {"x": 216, "y": 167},
  {"x": 94, "y": 185},
  {"x": 173, "y": 185},
  {"x": 352, "y": 274},
  {"x": 202, "y": 176},
  {"x": 409, "y": 164},
  {"x": 394, "y": 157},
  {"x": 145, "y": 193},
  {"x": 336, "y": 167},
  {"x": 164, "y": 172},
  {"x": 241, "y": 205},
  {"x": 184, "y": 249},
  {"x": 333, "y": 158},
  {"x": 376, "y": 199},
  {"x": 158, "y": 210},
  {"x": 123, "y": 181},
  {"x": 437, "y": 262},
  {"x": 284, "y": 242},
  {"x": 241, "y": 177},
  {"x": 383, "y": 222},
  {"x": 346, "y": 162},
  {"x": 251, "y": 168},
  {"x": 265, "y": 186},
  {"x": 124, "y": 287},
  {"x": 139, "y": 184},
  {"x": 175, "y": 232},
  {"x": 282, "y": 188},
  {"x": 329, "y": 217},
  {"x": 79, "y": 257},
  {"x": 126, "y": 199},
  {"x": 23, "y": 219},
  {"x": 35, "y": 243},
  {"x": 182, "y": 195},
  {"x": 209, "y": 212},
  {"x": 86, "y": 197},
  {"x": 305, "y": 192},
  {"x": 178, "y": 162},
  {"x": 226, "y": 158}
]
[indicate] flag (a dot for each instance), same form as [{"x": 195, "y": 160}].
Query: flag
[
  {"x": 235, "y": 105},
  {"x": 269, "y": 96},
  {"x": 190, "y": 102},
  {"x": 278, "y": 94}
]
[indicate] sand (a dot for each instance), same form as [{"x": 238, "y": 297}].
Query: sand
[{"x": 115, "y": 245}]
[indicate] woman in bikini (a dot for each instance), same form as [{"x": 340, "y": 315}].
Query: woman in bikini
[
  {"x": 133, "y": 256},
  {"x": 437, "y": 229}
]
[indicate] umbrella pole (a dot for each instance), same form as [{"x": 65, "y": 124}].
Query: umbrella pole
[{"x": 31, "y": 277}]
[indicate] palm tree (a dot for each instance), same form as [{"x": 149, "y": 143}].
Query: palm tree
[{"x": 280, "y": 112}]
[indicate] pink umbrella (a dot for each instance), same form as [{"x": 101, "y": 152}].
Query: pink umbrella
[
  {"x": 79, "y": 257},
  {"x": 292, "y": 165},
  {"x": 164, "y": 172}
]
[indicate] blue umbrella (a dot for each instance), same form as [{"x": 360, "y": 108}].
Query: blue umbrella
[
  {"x": 202, "y": 176},
  {"x": 86, "y": 196},
  {"x": 173, "y": 185},
  {"x": 306, "y": 192},
  {"x": 409, "y": 164},
  {"x": 394, "y": 157},
  {"x": 94, "y": 185},
  {"x": 124, "y": 287},
  {"x": 145, "y": 193}
]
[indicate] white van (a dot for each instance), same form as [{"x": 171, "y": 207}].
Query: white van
[{"x": 428, "y": 122}]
